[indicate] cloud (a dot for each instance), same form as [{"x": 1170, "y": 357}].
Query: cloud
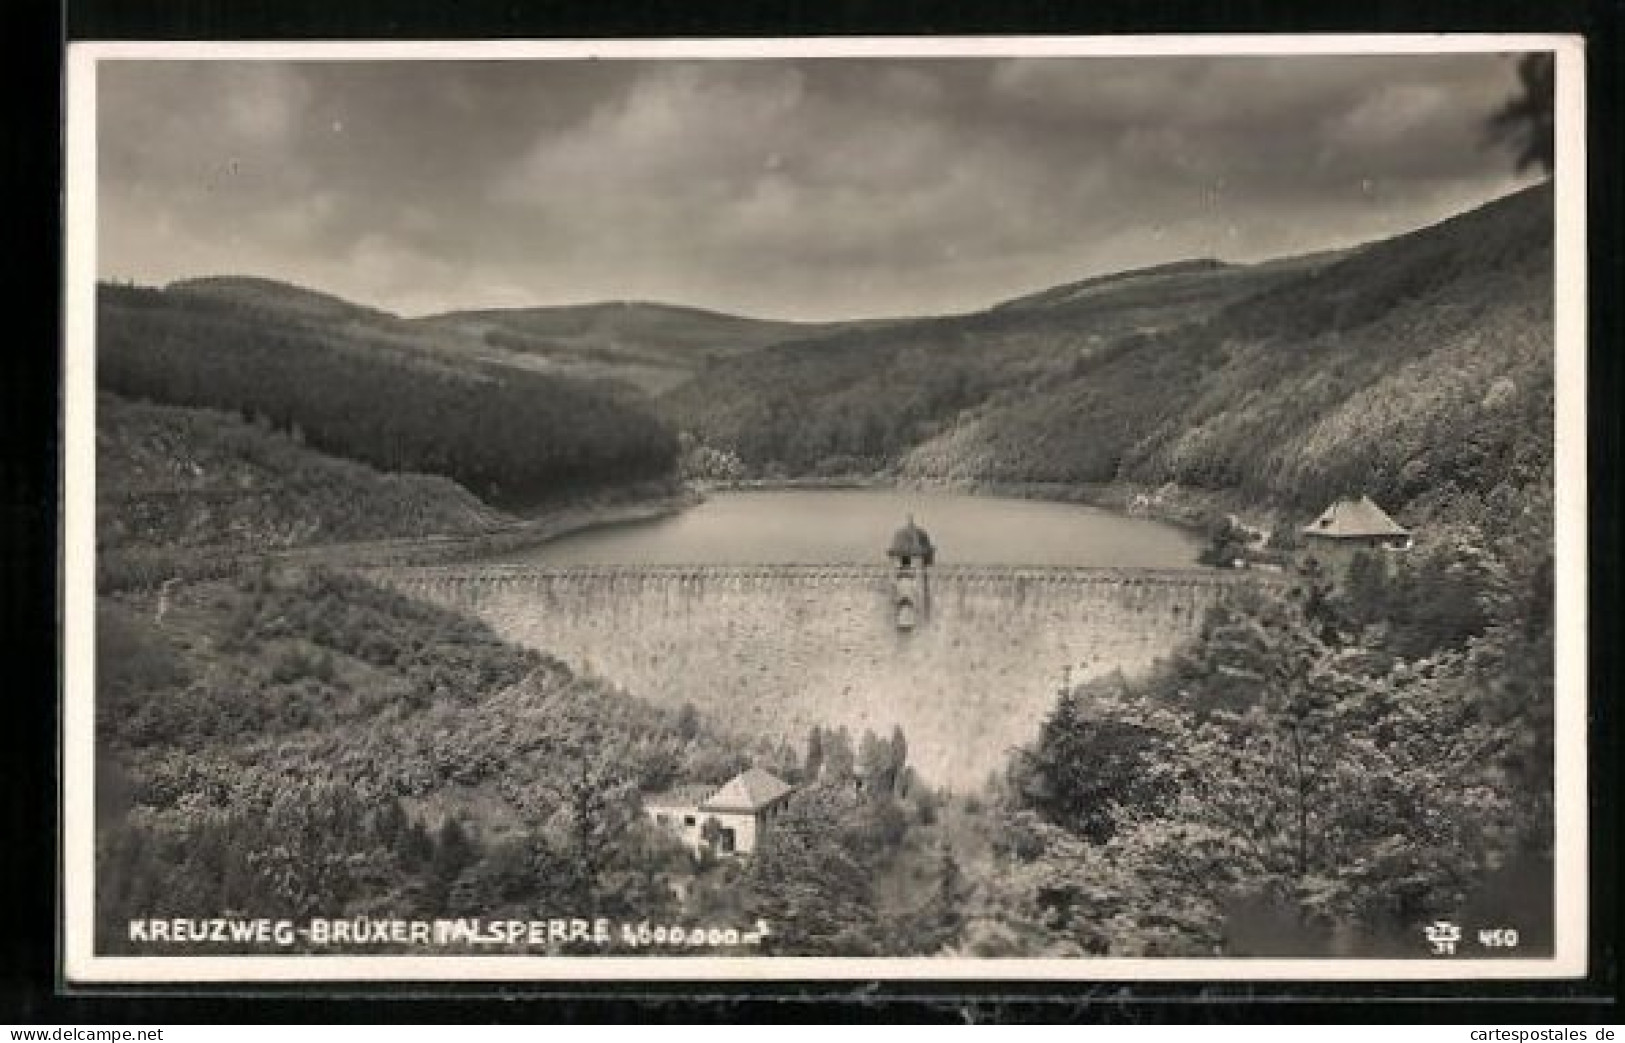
[
  {"x": 264, "y": 104},
  {"x": 811, "y": 188}
]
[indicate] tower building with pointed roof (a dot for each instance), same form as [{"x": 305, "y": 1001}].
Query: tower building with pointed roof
[
  {"x": 911, "y": 545},
  {"x": 913, "y": 553}
]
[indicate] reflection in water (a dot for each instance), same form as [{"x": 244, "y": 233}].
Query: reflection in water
[{"x": 850, "y": 526}]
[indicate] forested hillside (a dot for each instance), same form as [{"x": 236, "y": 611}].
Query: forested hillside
[
  {"x": 1395, "y": 369},
  {"x": 301, "y": 743},
  {"x": 653, "y": 346},
  {"x": 1328, "y": 772},
  {"x": 859, "y": 400},
  {"x": 296, "y": 742},
  {"x": 346, "y": 387},
  {"x": 275, "y": 301}
]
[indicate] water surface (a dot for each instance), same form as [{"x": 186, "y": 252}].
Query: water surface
[{"x": 854, "y": 526}]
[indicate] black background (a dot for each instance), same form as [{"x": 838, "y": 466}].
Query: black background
[{"x": 34, "y": 33}]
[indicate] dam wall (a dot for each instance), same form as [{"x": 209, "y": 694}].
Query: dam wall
[{"x": 773, "y": 650}]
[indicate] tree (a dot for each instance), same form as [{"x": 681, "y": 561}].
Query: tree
[
  {"x": 1226, "y": 542},
  {"x": 414, "y": 847},
  {"x": 814, "y": 764},
  {"x": 1367, "y": 587},
  {"x": 899, "y": 757},
  {"x": 948, "y": 900},
  {"x": 782, "y": 760},
  {"x": 1341, "y": 802},
  {"x": 711, "y": 832},
  {"x": 1526, "y": 121},
  {"x": 809, "y": 885},
  {"x": 875, "y": 762},
  {"x": 839, "y": 759},
  {"x": 308, "y": 847},
  {"x": 1095, "y": 758},
  {"x": 453, "y": 853},
  {"x": 593, "y": 806},
  {"x": 688, "y": 721},
  {"x": 1443, "y": 593},
  {"x": 498, "y": 882}
]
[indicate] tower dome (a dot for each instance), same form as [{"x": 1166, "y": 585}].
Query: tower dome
[{"x": 912, "y": 544}]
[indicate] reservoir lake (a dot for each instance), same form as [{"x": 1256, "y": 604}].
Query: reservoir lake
[{"x": 854, "y": 526}]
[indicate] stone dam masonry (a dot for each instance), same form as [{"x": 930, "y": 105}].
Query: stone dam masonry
[{"x": 773, "y": 650}]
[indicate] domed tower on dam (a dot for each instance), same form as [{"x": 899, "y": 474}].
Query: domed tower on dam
[{"x": 913, "y": 553}]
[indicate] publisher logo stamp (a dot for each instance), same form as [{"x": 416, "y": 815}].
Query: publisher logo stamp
[{"x": 1443, "y": 936}]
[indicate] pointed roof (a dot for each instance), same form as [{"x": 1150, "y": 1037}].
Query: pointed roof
[
  {"x": 911, "y": 541},
  {"x": 1352, "y": 519},
  {"x": 681, "y": 797},
  {"x": 751, "y": 790}
]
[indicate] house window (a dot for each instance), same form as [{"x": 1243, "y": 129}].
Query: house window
[
  {"x": 662, "y": 818},
  {"x": 688, "y": 820},
  {"x": 726, "y": 842}
]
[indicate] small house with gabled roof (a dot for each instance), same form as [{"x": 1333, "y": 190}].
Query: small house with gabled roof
[
  {"x": 743, "y": 809},
  {"x": 1354, "y": 524}
]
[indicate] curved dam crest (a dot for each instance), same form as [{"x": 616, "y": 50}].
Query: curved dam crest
[{"x": 774, "y": 649}]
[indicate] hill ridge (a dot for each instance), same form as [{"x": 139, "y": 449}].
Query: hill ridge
[
  {"x": 239, "y": 281},
  {"x": 1277, "y": 381}
]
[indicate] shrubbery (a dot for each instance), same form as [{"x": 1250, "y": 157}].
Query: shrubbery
[
  {"x": 300, "y": 741},
  {"x": 1311, "y": 777}
]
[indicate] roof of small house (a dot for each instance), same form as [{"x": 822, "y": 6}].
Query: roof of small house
[
  {"x": 910, "y": 541},
  {"x": 680, "y": 797},
  {"x": 751, "y": 790},
  {"x": 1353, "y": 519}
]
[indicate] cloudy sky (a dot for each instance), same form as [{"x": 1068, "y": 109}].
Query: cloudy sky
[{"x": 826, "y": 188}]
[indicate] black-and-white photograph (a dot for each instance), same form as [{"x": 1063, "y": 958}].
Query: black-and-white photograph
[{"x": 982, "y": 510}]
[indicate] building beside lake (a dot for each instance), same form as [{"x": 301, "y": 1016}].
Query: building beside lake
[
  {"x": 1352, "y": 525},
  {"x": 743, "y": 810}
]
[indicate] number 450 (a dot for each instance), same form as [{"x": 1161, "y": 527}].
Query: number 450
[{"x": 1499, "y": 938}]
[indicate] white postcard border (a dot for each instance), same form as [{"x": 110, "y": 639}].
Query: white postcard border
[{"x": 81, "y": 966}]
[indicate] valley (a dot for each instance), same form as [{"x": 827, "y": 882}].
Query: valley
[{"x": 283, "y": 476}]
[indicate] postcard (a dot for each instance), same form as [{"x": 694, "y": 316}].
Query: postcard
[{"x": 1036, "y": 508}]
